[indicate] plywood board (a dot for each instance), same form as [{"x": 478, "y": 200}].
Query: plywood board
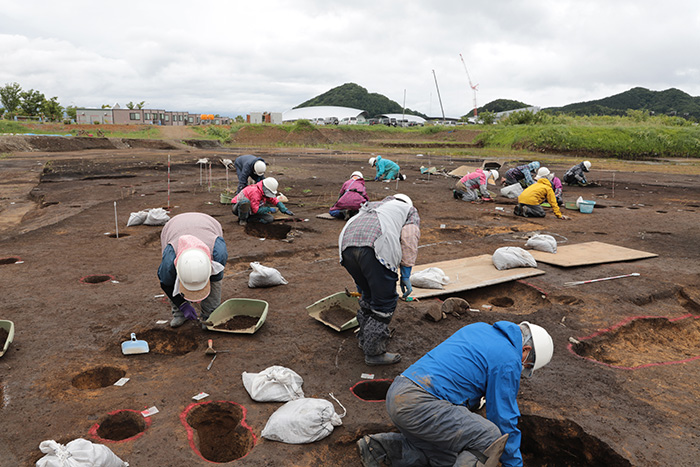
[
  {"x": 585, "y": 254},
  {"x": 325, "y": 215},
  {"x": 470, "y": 273},
  {"x": 463, "y": 170}
]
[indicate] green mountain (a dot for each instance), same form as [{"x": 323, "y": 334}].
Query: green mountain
[
  {"x": 669, "y": 102},
  {"x": 501, "y": 105},
  {"x": 357, "y": 97}
]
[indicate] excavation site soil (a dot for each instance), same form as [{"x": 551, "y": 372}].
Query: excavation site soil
[{"x": 621, "y": 390}]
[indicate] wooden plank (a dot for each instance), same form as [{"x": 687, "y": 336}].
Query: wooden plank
[
  {"x": 585, "y": 254},
  {"x": 470, "y": 273}
]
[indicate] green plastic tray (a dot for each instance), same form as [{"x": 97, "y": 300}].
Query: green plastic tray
[
  {"x": 340, "y": 299},
  {"x": 239, "y": 307},
  {"x": 8, "y": 326}
]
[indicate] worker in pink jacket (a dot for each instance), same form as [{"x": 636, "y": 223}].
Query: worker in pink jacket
[
  {"x": 473, "y": 186},
  {"x": 353, "y": 194},
  {"x": 251, "y": 203}
]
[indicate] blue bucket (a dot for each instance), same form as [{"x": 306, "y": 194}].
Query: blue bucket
[{"x": 586, "y": 207}]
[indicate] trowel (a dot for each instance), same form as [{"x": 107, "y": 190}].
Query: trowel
[{"x": 134, "y": 346}]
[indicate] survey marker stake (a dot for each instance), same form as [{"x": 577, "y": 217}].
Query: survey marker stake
[{"x": 602, "y": 279}]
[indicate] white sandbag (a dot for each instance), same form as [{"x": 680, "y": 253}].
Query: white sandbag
[
  {"x": 542, "y": 242},
  {"x": 78, "y": 453},
  {"x": 509, "y": 257},
  {"x": 157, "y": 216},
  {"x": 263, "y": 276},
  {"x": 273, "y": 384},
  {"x": 302, "y": 421},
  {"x": 512, "y": 191},
  {"x": 137, "y": 218},
  {"x": 431, "y": 278}
]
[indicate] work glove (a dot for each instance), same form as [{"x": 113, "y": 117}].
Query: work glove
[
  {"x": 267, "y": 210},
  {"x": 284, "y": 210},
  {"x": 188, "y": 310},
  {"x": 406, "y": 281}
]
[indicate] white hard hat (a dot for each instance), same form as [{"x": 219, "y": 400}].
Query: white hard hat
[
  {"x": 495, "y": 175},
  {"x": 357, "y": 173},
  {"x": 587, "y": 165},
  {"x": 270, "y": 186},
  {"x": 371, "y": 161},
  {"x": 542, "y": 172},
  {"x": 193, "y": 270},
  {"x": 404, "y": 198},
  {"x": 542, "y": 345},
  {"x": 259, "y": 167}
]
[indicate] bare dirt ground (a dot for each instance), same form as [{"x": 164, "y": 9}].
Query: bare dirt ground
[{"x": 75, "y": 292}]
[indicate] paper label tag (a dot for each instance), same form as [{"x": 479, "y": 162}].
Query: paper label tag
[
  {"x": 161, "y": 321},
  {"x": 200, "y": 396},
  {"x": 149, "y": 411},
  {"x": 121, "y": 382},
  {"x": 367, "y": 376}
]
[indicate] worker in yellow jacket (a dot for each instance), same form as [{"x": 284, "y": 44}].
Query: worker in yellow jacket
[{"x": 533, "y": 196}]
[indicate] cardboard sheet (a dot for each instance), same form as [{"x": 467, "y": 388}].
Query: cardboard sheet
[
  {"x": 584, "y": 254},
  {"x": 470, "y": 273}
]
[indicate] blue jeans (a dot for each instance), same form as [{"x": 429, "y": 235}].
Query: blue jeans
[{"x": 377, "y": 284}]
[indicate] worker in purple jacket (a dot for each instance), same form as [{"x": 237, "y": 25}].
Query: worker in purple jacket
[{"x": 353, "y": 194}]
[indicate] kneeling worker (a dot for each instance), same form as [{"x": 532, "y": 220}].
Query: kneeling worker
[
  {"x": 353, "y": 194},
  {"x": 575, "y": 175},
  {"x": 433, "y": 402},
  {"x": 530, "y": 199},
  {"x": 250, "y": 204},
  {"x": 386, "y": 169},
  {"x": 192, "y": 266},
  {"x": 473, "y": 186},
  {"x": 249, "y": 166}
]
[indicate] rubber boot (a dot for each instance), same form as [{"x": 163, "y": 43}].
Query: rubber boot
[
  {"x": 493, "y": 452},
  {"x": 380, "y": 449},
  {"x": 178, "y": 320},
  {"x": 243, "y": 213},
  {"x": 382, "y": 359}
]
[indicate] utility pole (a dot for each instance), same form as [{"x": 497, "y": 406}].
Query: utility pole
[
  {"x": 439, "y": 98},
  {"x": 403, "y": 114}
]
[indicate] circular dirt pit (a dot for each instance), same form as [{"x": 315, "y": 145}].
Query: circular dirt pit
[
  {"x": 164, "y": 342},
  {"x": 563, "y": 443},
  {"x": 10, "y": 260},
  {"x": 274, "y": 230},
  {"x": 96, "y": 378},
  {"x": 643, "y": 342},
  {"x": 566, "y": 300},
  {"x": 503, "y": 302},
  {"x": 120, "y": 426},
  {"x": 221, "y": 432},
  {"x": 121, "y": 235},
  {"x": 372, "y": 391},
  {"x": 96, "y": 279}
]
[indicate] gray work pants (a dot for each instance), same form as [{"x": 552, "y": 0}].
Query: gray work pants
[
  {"x": 434, "y": 432},
  {"x": 207, "y": 305}
]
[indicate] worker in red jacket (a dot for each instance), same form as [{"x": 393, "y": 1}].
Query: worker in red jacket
[{"x": 252, "y": 202}]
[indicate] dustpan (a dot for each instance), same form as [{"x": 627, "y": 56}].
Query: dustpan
[
  {"x": 340, "y": 302},
  {"x": 133, "y": 346},
  {"x": 8, "y": 326}
]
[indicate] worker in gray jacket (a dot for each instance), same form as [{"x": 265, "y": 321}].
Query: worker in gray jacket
[
  {"x": 249, "y": 166},
  {"x": 576, "y": 174},
  {"x": 377, "y": 246}
]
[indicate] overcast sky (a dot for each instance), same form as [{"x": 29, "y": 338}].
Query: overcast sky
[{"x": 233, "y": 57}]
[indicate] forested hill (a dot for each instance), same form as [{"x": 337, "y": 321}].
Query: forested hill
[
  {"x": 669, "y": 102},
  {"x": 356, "y": 97}
]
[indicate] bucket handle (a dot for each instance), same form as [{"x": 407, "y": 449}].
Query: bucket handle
[{"x": 133, "y": 337}]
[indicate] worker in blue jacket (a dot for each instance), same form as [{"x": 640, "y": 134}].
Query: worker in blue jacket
[
  {"x": 433, "y": 402},
  {"x": 521, "y": 174},
  {"x": 249, "y": 166},
  {"x": 386, "y": 169}
]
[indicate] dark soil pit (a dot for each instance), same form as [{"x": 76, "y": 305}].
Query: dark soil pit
[
  {"x": 503, "y": 302},
  {"x": 217, "y": 430},
  {"x": 99, "y": 377},
  {"x": 120, "y": 426},
  {"x": 337, "y": 316},
  {"x": 164, "y": 342},
  {"x": 9, "y": 260},
  {"x": 121, "y": 235},
  {"x": 2, "y": 396},
  {"x": 96, "y": 279},
  {"x": 643, "y": 342},
  {"x": 548, "y": 442},
  {"x": 239, "y": 322},
  {"x": 3, "y": 337},
  {"x": 372, "y": 391},
  {"x": 274, "y": 230}
]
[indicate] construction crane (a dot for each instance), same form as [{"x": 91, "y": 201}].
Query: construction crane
[{"x": 473, "y": 86}]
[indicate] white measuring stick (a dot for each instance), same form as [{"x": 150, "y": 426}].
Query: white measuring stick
[
  {"x": 602, "y": 279},
  {"x": 116, "y": 224}
]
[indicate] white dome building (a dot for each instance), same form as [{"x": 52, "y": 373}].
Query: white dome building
[{"x": 323, "y": 113}]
